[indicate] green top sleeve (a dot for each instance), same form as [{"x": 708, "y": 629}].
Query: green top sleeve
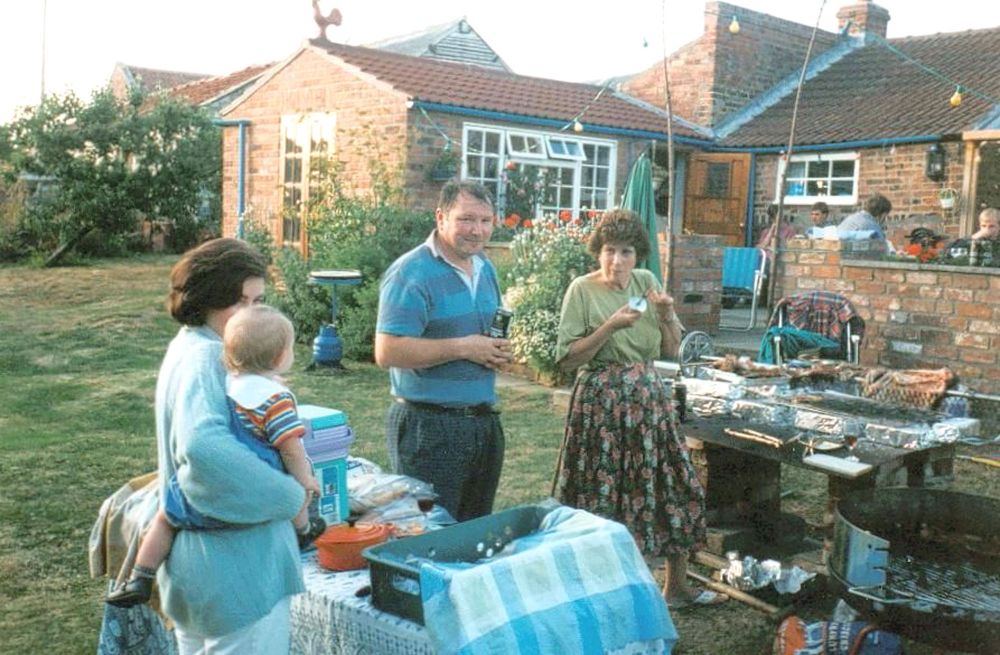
[{"x": 588, "y": 304}]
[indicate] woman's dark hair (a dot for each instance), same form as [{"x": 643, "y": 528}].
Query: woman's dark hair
[
  {"x": 620, "y": 226},
  {"x": 211, "y": 276}
]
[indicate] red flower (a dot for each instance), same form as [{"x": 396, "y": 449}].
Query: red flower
[
  {"x": 565, "y": 215},
  {"x": 591, "y": 214},
  {"x": 528, "y": 223},
  {"x": 913, "y": 249},
  {"x": 512, "y": 221},
  {"x": 510, "y": 165}
]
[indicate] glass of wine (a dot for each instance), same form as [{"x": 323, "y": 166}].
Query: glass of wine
[{"x": 851, "y": 440}]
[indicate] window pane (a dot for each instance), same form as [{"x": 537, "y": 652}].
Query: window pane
[
  {"x": 793, "y": 188},
  {"x": 843, "y": 168},
  {"x": 493, "y": 142},
  {"x": 475, "y": 141},
  {"x": 291, "y": 147},
  {"x": 573, "y": 148},
  {"x": 819, "y": 169},
  {"x": 558, "y": 147},
  {"x": 600, "y": 199},
  {"x": 717, "y": 180},
  {"x": 516, "y": 143},
  {"x": 492, "y": 167},
  {"x": 602, "y": 178},
  {"x": 797, "y": 169},
  {"x": 816, "y": 188},
  {"x": 588, "y": 176},
  {"x": 842, "y": 188},
  {"x": 603, "y": 155},
  {"x": 475, "y": 166}
]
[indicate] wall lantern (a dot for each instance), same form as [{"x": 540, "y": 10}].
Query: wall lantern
[{"x": 935, "y": 162}]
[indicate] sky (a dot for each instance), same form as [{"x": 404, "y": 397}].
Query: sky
[{"x": 576, "y": 41}]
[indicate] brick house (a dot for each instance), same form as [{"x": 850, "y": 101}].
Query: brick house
[
  {"x": 415, "y": 113},
  {"x": 870, "y": 110},
  {"x": 125, "y": 78}
]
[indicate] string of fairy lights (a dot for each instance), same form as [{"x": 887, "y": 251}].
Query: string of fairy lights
[{"x": 735, "y": 27}]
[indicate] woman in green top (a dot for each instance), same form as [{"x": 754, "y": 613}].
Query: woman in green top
[{"x": 624, "y": 458}]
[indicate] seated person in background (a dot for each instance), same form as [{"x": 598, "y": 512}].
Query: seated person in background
[
  {"x": 989, "y": 226},
  {"x": 785, "y": 232},
  {"x": 819, "y": 214},
  {"x": 877, "y": 207}
]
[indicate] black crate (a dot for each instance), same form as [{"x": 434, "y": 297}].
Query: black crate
[{"x": 395, "y": 565}]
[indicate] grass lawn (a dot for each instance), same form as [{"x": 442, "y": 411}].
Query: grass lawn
[{"x": 79, "y": 351}]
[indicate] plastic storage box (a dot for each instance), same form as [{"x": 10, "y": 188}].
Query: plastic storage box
[
  {"x": 395, "y": 565},
  {"x": 327, "y": 442}
]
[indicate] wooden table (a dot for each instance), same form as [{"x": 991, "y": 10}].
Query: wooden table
[{"x": 742, "y": 478}]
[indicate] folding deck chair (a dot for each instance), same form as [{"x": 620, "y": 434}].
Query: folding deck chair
[
  {"x": 825, "y": 313},
  {"x": 743, "y": 274}
]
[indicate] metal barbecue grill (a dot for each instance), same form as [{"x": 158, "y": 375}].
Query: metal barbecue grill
[{"x": 922, "y": 562}]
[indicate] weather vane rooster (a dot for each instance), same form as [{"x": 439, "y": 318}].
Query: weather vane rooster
[{"x": 333, "y": 18}]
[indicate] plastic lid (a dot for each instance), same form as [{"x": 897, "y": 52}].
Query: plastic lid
[{"x": 358, "y": 533}]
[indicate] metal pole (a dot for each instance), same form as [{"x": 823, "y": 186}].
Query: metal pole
[
  {"x": 670, "y": 160},
  {"x": 45, "y": 11},
  {"x": 776, "y": 227}
]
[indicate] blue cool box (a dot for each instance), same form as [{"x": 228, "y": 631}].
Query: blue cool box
[
  {"x": 320, "y": 418},
  {"x": 327, "y": 441}
]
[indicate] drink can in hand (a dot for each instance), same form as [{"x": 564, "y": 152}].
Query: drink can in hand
[{"x": 500, "y": 327}]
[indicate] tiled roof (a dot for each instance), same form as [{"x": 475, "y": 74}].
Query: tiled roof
[
  {"x": 153, "y": 80},
  {"x": 454, "y": 41},
  {"x": 477, "y": 88},
  {"x": 874, "y": 93},
  {"x": 201, "y": 91}
]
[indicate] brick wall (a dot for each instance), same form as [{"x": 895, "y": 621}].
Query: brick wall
[
  {"x": 720, "y": 72},
  {"x": 696, "y": 279},
  {"x": 916, "y": 315},
  {"x": 897, "y": 172},
  {"x": 371, "y": 123}
]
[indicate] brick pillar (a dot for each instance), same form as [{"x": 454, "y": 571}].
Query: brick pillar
[{"x": 695, "y": 280}]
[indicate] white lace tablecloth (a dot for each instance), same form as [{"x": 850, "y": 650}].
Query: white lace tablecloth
[{"x": 330, "y": 620}]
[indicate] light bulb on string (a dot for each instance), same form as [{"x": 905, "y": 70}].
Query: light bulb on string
[
  {"x": 577, "y": 126},
  {"x": 956, "y": 98},
  {"x": 734, "y": 26}
]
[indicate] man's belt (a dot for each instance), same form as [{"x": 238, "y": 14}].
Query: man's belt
[{"x": 483, "y": 409}]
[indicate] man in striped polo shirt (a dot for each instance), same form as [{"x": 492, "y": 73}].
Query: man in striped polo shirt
[{"x": 436, "y": 304}]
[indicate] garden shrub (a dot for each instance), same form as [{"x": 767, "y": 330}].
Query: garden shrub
[{"x": 547, "y": 256}]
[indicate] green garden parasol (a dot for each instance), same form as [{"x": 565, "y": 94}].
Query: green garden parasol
[{"x": 638, "y": 196}]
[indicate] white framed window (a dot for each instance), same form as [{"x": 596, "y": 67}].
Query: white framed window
[
  {"x": 597, "y": 177},
  {"x": 830, "y": 177},
  {"x": 579, "y": 173},
  {"x": 524, "y": 144},
  {"x": 483, "y": 149},
  {"x": 307, "y": 144},
  {"x": 562, "y": 148}
]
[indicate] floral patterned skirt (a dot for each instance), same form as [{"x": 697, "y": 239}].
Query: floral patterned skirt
[{"x": 624, "y": 459}]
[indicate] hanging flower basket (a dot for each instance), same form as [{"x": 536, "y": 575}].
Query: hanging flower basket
[
  {"x": 948, "y": 198},
  {"x": 444, "y": 167}
]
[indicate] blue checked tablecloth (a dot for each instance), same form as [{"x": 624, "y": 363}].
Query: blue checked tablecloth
[{"x": 577, "y": 585}]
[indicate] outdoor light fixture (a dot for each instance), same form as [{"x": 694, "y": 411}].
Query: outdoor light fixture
[
  {"x": 956, "y": 98},
  {"x": 734, "y": 26},
  {"x": 934, "y": 168},
  {"x": 577, "y": 126}
]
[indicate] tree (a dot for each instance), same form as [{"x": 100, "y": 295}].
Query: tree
[{"x": 110, "y": 162}]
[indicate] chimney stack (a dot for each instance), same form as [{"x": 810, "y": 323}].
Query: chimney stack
[{"x": 864, "y": 16}]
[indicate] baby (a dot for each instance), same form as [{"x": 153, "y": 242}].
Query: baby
[{"x": 257, "y": 349}]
